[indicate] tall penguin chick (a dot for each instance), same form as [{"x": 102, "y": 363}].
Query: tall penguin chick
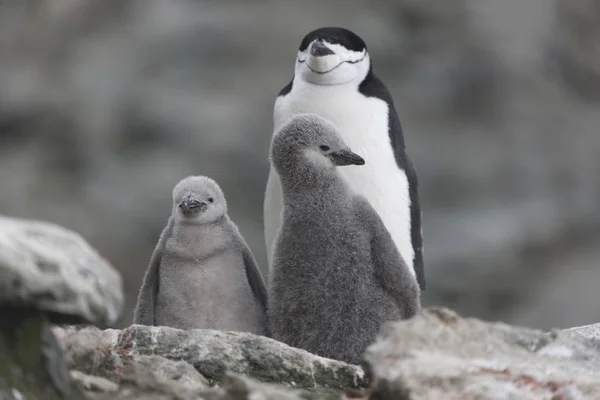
[
  {"x": 337, "y": 275},
  {"x": 202, "y": 274},
  {"x": 334, "y": 78}
]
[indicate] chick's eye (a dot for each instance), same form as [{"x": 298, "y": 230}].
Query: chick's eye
[
  {"x": 324, "y": 148},
  {"x": 210, "y": 200}
]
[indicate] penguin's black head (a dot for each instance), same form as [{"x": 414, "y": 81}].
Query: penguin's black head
[
  {"x": 333, "y": 35},
  {"x": 332, "y": 56}
]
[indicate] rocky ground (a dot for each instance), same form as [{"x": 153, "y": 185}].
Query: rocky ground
[
  {"x": 436, "y": 355},
  {"x": 59, "y": 296},
  {"x": 433, "y": 356}
]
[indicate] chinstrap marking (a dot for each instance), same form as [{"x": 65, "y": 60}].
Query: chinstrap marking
[{"x": 328, "y": 71}]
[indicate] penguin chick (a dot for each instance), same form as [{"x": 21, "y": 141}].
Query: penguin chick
[
  {"x": 202, "y": 274},
  {"x": 337, "y": 275}
]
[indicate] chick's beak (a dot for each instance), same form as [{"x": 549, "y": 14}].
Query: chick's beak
[
  {"x": 346, "y": 157},
  {"x": 190, "y": 204}
]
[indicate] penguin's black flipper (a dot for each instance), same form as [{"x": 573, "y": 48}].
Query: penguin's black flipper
[{"x": 416, "y": 230}]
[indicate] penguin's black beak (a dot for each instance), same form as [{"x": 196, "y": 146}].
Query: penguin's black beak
[
  {"x": 346, "y": 157},
  {"x": 190, "y": 205},
  {"x": 319, "y": 49}
]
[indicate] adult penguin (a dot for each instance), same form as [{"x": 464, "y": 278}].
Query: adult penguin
[{"x": 334, "y": 78}]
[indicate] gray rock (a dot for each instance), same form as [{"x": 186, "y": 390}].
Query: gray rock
[
  {"x": 50, "y": 268},
  {"x": 93, "y": 383},
  {"x": 90, "y": 350},
  {"x": 142, "y": 385},
  {"x": 95, "y": 352},
  {"x": 214, "y": 352},
  {"x": 139, "y": 376},
  {"x": 211, "y": 352},
  {"x": 146, "y": 377},
  {"x": 438, "y": 354},
  {"x": 435, "y": 355},
  {"x": 590, "y": 331},
  {"x": 143, "y": 381},
  {"x": 239, "y": 387},
  {"x": 179, "y": 373}
]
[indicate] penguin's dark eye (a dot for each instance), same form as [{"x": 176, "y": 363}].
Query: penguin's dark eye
[
  {"x": 324, "y": 148},
  {"x": 210, "y": 200}
]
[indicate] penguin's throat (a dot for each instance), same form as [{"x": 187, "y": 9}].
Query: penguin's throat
[
  {"x": 308, "y": 179},
  {"x": 323, "y": 64}
]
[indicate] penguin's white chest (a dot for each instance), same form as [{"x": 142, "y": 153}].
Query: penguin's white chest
[{"x": 363, "y": 124}]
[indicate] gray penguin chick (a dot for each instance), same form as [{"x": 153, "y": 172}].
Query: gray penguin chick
[
  {"x": 337, "y": 276},
  {"x": 202, "y": 274}
]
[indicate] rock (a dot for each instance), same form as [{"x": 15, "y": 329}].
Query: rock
[
  {"x": 212, "y": 353},
  {"x": 141, "y": 385},
  {"x": 47, "y": 274},
  {"x": 438, "y": 354},
  {"x": 90, "y": 350},
  {"x": 590, "y": 331},
  {"x": 142, "y": 381},
  {"x": 95, "y": 352},
  {"x": 50, "y": 268},
  {"x": 179, "y": 372},
  {"x": 157, "y": 374},
  {"x": 93, "y": 383},
  {"x": 158, "y": 363},
  {"x": 435, "y": 355},
  {"x": 239, "y": 387}
]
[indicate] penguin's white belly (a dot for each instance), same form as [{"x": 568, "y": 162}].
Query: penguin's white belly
[{"x": 363, "y": 124}]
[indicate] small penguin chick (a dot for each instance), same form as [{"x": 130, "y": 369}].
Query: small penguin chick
[
  {"x": 337, "y": 275},
  {"x": 202, "y": 274}
]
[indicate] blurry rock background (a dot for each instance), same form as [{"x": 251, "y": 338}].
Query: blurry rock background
[{"x": 106, "y": 104}]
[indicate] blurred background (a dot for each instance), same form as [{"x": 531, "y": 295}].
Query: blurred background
[{"x": 106, "y": 104}]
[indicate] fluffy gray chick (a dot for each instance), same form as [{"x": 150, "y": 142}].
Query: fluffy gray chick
[
  {"x": 337, "y": 276},
  {"x": 202, "y": 274}
]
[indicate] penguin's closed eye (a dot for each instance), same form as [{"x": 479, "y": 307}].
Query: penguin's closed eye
[{"x": 324, "y": 148}]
